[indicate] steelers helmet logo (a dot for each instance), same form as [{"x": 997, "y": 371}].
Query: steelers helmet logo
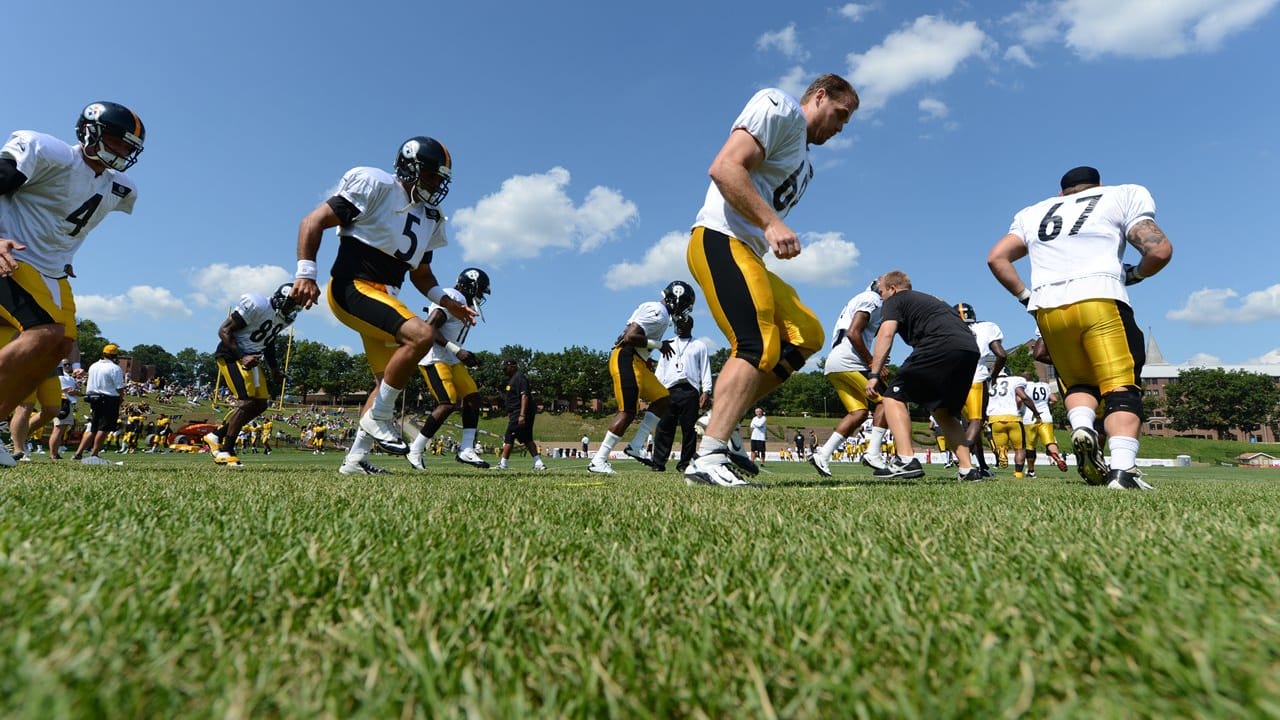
[
  {"x": 94, "y": 111},
  {"x": 409, "y": 150}
]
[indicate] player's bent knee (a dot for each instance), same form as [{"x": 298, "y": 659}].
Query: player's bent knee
[{"x": 1126, "y": 399}]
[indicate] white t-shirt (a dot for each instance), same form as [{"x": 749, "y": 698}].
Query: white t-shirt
[
  {"x": 1039, "y": 393},
  {"x": 1003, "y": 400},
  {"x": 105, "y": 378},
  {"x": 1076, "y": 243},
  {"x": 985, "y": 333},
  {"x": 262, "y": 323},
  {"x": 758, "y": 427},
  {"x": 775, "y": 120},
  {"x": 60, "y": 203},
  {"x": 388, "y": 220},
  {"x": 453, "y": 330},
  {"x": 653, "y": 318},
  {"x": 689, "y": 362},
  {"x": 842, "y": 357}
]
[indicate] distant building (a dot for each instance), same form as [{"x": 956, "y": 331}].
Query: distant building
[
  {"x": 1258, "y": 460},
  {"x": 1158, "y": 373}
]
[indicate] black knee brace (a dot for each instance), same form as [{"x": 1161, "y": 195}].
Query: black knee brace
[{"x": 1126, "y": 399}]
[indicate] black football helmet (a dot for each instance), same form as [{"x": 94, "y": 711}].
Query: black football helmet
[
  {"x": 108, "y": 119},
  {"x": 966, "y": 313},
  {"x": 678, "y": 296},
  {"x": 473, "y": 283},
  {"x": 874, "y": 286},
  {"x": 283, "y": 304},
  {"x": 425, "y": 159}
]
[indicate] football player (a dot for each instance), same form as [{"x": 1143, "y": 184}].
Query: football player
[
  {"x": 759, "y": 174},
  {"x": 852, "y": 338},
  {"x": 1008, "y": 397},
  {"x": 1037, "y": 425},
  {"x": 444, "y": 368},
  {"x": 1078, "y": 295},
  {"x": 992, "y": 355},
  {"x": 52, "y": 195},
  {"x": 632, "y": 378},
  {"x": 245, "y": 339},
  {"x": 388, "y": 225}
]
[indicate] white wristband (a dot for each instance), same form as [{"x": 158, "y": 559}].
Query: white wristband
[
  {"x": 653, "y": 344},
  {"x": 453, "y": 347},
  {"x": 436, "y": 294},
  {"x": 306, "y": 270},
  {"x": 1024, "y": 295}
]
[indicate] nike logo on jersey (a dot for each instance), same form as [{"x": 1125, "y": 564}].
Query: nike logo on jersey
[
  {"x": 119, "y": 190},
  {"x": 775, "y": 102}
]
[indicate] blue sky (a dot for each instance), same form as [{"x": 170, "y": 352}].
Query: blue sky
[{"x": 582, "y": 132}]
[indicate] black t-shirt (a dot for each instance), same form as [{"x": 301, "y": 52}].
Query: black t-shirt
[
  {"x": 927, "y": 323},
  {"x": 517, "y": 386}
]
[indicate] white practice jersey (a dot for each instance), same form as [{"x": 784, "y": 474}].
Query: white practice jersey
[
  {"x": 1003, "y": 400},
  {"x": 262, "y": 324},
  {"x": 1039, "y": 393},
  {"x": 453, "y": 330},
  {"x": 653, "y": 318},
  {"x": 842, "y": 357},
  {"x": 985, "y": 333},
  {"x": 1076, "y": 243},
  {"x": 61, "y": 202},
  {"x": 775, "y": 120},
  {"x": 388, "y": 221}
]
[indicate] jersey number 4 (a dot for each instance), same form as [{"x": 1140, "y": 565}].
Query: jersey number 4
[
  {"x": 81, "y": 215},
  {"x": 1052, "y": 224}
]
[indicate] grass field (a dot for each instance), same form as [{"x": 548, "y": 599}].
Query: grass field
[{"x": 168, "y": 587}]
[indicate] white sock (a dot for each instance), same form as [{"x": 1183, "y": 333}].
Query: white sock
[
  {"x": 1124, "y": 452},
  {"x": 384, "y": 403},
  {"x": 647, "y": 424},
  {"x": 360, "y": 446},
  {"x": 876, "y": 443},
  {"x": 1081, "y": 417},
  {"x": 419, "y": 444},
  {"x": 606, "y": 447},
  {"x": 830, "y": 446},
  {"x": 468, "y": 438},
  {"x": 710, "y": 445}
]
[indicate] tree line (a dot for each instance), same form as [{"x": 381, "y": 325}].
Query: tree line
[{"x": 575, "y": 377}]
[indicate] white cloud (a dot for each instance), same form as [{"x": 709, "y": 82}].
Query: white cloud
[
  {"x": 824, "y": 259},
  {"x": 795, "y": 82},
  {"x": 854, "y": 11},
  {"x": 662, "y": 263},
  {"x": 928, "y": 50},
  {"x": 138, "y": 301},
  {"x": 933, "y": 109},
  {"x": 1270, "y": 358},
  {"x": 1210, "y": 307},
  {"x": 531, "y": 213},
  {"x": 221, "y": 285},
  {"x": 1204, "y": 360},
  {"x": 785, "y": 41},
  {"x": 1137, "y": 28},
  {"x": 1018, "y": 54}
]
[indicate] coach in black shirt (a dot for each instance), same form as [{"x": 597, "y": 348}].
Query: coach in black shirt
[
  {"x": 520, "y": 412},
  {"x": 937, "y": 374}
]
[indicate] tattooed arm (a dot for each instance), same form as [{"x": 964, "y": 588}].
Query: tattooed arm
[{"x": 1156, "y": 250}]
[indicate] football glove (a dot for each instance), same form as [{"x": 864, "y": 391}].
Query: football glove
[{"x": 1131, "y": 275}]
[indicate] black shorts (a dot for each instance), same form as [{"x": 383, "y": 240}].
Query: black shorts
[
  {"x": 935, "y": 379},
  {"x": 517, "y": 433},
  {"x": 106, "y": 412},
  {"x": 757, "y": 446}
]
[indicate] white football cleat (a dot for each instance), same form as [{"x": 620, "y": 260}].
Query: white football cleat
[
  {"x": 715, "y": 469},
  {"x": 385, "y": 432},
  {"x": 601, "y": 468},
  {"x": 415, "y": 461},
  {"x": 468, "y": 456},
  {"x": 821, "y": 464}
]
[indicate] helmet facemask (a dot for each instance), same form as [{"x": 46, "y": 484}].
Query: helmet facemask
[{"x": 282, "y": 302}]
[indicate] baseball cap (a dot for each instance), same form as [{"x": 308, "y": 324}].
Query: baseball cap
[
  {"x": 1083, "y": 175},
  {"x": 111, "y": 350}
]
